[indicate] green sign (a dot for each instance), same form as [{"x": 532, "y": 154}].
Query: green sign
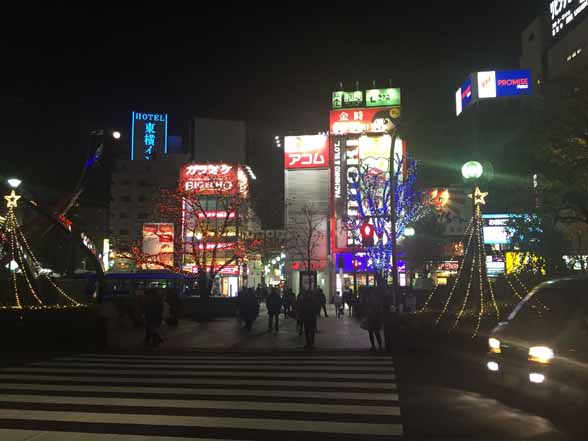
[
  {"x": 382, "y": 97},
  {"x": 345, "y": 100},
  {"x": 338, "y": 100}
]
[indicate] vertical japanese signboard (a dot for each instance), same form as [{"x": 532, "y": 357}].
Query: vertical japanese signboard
[{"x": 148, "y": 135}]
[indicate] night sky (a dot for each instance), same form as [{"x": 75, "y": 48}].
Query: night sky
[{"x": 66, "y": 71}]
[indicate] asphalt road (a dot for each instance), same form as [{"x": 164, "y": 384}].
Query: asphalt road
[{"x": 446, "y": 395}]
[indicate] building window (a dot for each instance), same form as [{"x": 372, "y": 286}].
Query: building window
[
  {"x": 143, "y": 215},
  {"x": 143, "y": 183},
  {"x": 124, "y": 215},
  {"x": 143, "y": 199},
  {"x": 126, "y": 182},
  {"x": 126, "y": 199},
  {"x": 124, "y": 232},
  {"x": 531, "y": 37}
]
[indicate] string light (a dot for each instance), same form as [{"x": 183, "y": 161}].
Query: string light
[
  {"x": 459, "y": 272},
  {"x": 22, "y": 255},
  {"x": 467, "y": 295},
  {"x": 480, "y": 263}
]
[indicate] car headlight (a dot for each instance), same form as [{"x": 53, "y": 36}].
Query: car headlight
[
  {"x": 494, "y": 344},
  {"x": 541, "y": 354}
]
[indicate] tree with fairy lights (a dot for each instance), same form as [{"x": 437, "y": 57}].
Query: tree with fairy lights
[
  {"x": 28, "y": 285},
  {"x": 370, "y": 191},
  {"x": 211, "y": 211}
]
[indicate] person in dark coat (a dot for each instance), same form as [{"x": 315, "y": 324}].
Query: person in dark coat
[
  {"x": 348, "y": 299},
  {"x": 323, "y": 300},
  {"x": 172, "y": 299},
  {"x": 374, "y": 318},
  {"x": 153, "y": 317},
  {"x": 288, "y": 301},
  {"x": 249, "y": 308},
  {"x": 309, "y": 310},
  {"x": 274, "y": 307}
]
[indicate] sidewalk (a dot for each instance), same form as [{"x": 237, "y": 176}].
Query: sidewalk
[{"x": 226, "y": 334}]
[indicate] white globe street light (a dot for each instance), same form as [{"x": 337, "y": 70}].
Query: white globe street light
[
  {"x": 472, "y": 170},
  {"x": 409, "y": 232},
  {"x": 14, "y": 182},
  {"x": 116, "y": 134}
]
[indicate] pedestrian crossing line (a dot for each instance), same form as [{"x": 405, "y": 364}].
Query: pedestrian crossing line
[
  {"x": 205, "y": 404},
  {"x": 315, "y": 356},
  {"x": 337, "y": 385},
  {"x": 195, "y": 374},
  {"x": 230, "y": 362},
  {"x": 270, "y": 395},
  {"x": 33, "y": 435},
  {"x": 196, "y": 367},
  {"x": 268, "y": 425},
  {"x": 114, "y": 398}
]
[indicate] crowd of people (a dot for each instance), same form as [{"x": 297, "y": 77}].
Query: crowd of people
[
  {"x": 371, "y": 306},
  {"x": 307, "y": 307}
]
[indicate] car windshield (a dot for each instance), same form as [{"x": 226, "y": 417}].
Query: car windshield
[{"x": 553, "y": 307}]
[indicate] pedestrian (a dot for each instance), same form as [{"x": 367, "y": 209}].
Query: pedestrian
[
  {"x": 309, "y": 310},
  {"x": 374, "y": 317},
  {"x": 249, "y": 308},
  {"x": 153, "y": 317},
  {"x": 339, "y": 306},
  {"x": 288, "y": 301},
  {"x": 323, "y": 301},
  {"x": 298, "y": 308},
  {"x": 174, "y": 303},
  {"x": 274, "y": 307},
  {"x": 348, "y": 299}
]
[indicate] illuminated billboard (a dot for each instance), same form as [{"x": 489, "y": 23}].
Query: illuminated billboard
[
  {"x": 565, "y": 14},
  {"x": 158, "y": 243},
  {"x": 350, "y": 154},
  {"x": 344, "y": 100},
  {"x": 504, "y": 83},
  {"x": 382, "y": 97},
  {"x": 358, "y": 121},
  {"x": 148, "y": 135},
  {"x": 304, "y": 152},
  {"x": 491, "y": 85},
  {"x": 213, "y": 179}
]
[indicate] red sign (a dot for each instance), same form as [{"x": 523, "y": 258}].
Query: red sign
[
  {"x": 301, "y": 152},
  {"x": 357, "y": 121},
  {"x": 213, "y": 179}
]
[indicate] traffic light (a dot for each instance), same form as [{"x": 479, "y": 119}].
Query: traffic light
[{"x": 367, "y": 235}]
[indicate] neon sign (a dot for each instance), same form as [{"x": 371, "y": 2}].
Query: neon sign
[
  {"x": 148, "y": 135},
  {"x": 564, "y": 14},
  {"x": 302, "y": 152}
]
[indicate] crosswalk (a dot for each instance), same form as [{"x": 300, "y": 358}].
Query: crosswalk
[{"x": 202, "y": 396}]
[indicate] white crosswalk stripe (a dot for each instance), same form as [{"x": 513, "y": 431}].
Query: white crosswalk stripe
[{"x": 142, "y": 397}]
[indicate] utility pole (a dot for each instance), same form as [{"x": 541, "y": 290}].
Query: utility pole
[{"x": 393, "y": 185}]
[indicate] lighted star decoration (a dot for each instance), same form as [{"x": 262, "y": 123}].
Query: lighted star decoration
[
  {"x": 478, "y": 197},
  {"x": 12, "y": 199}
]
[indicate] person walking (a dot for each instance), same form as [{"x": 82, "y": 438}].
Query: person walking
[
  {"x": 339, "y": 306},
  {"x": 323, "y": 301},
  {"x": 288, "y": 301},
  {"x": 298, "y": 308},
  {"x": 249, "y": 308},
  {"x": 374, "y": 317},
  {"x": 153, "y": 317},
  {"x": 309, "y": 310},
  {"x": 274, "y": 306}
]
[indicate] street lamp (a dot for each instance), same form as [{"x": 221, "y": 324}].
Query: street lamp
[
  {"x": 472, "y": 170},
  {"x": 409, "y": 232},
  {"x": 116, "y": 134},
  {"x": 14, "y": 182}
]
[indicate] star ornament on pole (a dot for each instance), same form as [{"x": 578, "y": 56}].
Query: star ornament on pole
[
  {"x": 478, "y": 197},
  {"x": 12, "y": 199}
]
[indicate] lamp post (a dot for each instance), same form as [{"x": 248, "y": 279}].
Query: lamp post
[{"x": 472, "y": 171}]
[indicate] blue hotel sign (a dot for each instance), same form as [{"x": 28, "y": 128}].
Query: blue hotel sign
[{"x": 148, "y": 135}]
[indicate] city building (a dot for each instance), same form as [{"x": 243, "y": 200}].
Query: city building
[
  {"x": 135, "y": 188},
  {"x": 307, "y": 206}
]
